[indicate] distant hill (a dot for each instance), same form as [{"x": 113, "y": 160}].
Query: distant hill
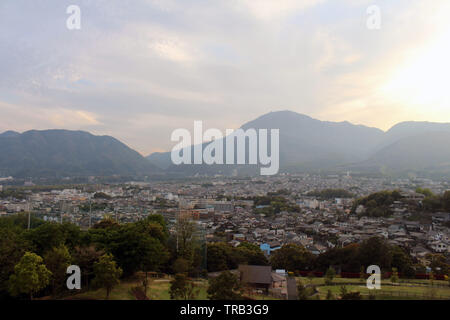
[
  {"x": 58, "y": 153},
  {"x": 408, "y": 129},
  {"x": 7, "y": 134},
  {"x": 305, "y": 144},
  {"x": 423, "y": 152},
  {"x": 308, "y": 144}
]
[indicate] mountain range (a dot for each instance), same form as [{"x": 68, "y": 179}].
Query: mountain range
[
  {"x": 61, "y": 153},
  {"x": 306, "y": 145}
]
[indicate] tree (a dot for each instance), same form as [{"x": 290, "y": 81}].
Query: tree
[
  {"x": 12, "y": 248},
  {"x": 134, "y": 250},
  {"x": 182, "y": 289},
  {"x": 30, "y": 275},
  {"x": 346, "y": 258},
  {"x": 226, "y": 286},
  {"x": 57, "y": 260},
  {"x": 46, "y": 236},
  {"x": 438, "y": 263},
  {"x": 394, "y": 275},
  {"x": 153, "y": 255},
  {"x": 85, "y": 258},
  {"x": 185, "y": 230},
  {"x": 181, "y": 265},
  {"x": 375, "y": 251},
  {"x": 101, "y": 195},
  {"x": 425, "y": 191},
  {"x": 292, "y": 257},
  {"x": 362, "y": 274},
  {"x": 106, "y": 224},
  {"x": 107, "y": 274},
  {"x": 251, "y": 254},
  {"x": 329, "y": 276},
  {"x": 402, "y": 261},
  {"x": 220, "y": 257}
]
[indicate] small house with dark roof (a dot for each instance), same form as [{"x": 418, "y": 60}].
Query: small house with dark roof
[{"x": 258, "y": 277}]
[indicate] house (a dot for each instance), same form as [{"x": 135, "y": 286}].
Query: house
[
  {"x": 439, "y": 246},
  {"x": 267, "y": 248},
  {"x": 441, "y": 217},
  {"x": 419, "y": 252},
  {"x": 258, "y": 277}
]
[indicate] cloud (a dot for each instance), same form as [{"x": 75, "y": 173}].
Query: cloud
[
  {"x": 268, "y": 9},
  {"x": 138, "y": 69},
  {"x": 22, "y": 118}
]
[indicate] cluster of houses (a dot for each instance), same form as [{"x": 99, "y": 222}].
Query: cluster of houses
[{"x": 225, "y": 211}]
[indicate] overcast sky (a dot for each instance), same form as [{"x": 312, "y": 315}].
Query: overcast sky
[{"x": 139, "y": 69}]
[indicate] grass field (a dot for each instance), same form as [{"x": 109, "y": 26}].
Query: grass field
[
  {"x": 157, "y": 290},
  {"x": 405, "y": 289}
]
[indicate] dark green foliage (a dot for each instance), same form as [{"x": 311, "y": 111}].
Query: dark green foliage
[
  {"x": 140, "y": 246},
  {"x": 425, "y": 191},
  {"x": 13, "y": 246},
  {"x": 377, "y": 204},
  {"x": 181, "y": 288},
  {"x": 94, "y": 206},
  {"x": 274, "y": 205},
  {"x": 436, "y": 203},
  {"x": 57, "y": 260},
  {"x": 132, "y": 247},
  {"x": 373, "y": 251},
  {"x": 30, "y": 276},
  {"x": 329, "y": 276},
  {"x": 101, "y": 195},
  {"x": 107, "y": 274},
  {"x": 222, "y": 256},
  {"x": 330, "y": 193},
  {"x": 226, "y": 286},
  {"x": 291, "y": 257},
  {"x": 85, "y": 257}
]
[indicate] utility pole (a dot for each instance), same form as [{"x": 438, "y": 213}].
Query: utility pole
[
  {"x": 90, "y": 213},
  {"x": 29, "y": 213}
]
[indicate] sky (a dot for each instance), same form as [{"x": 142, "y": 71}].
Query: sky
[{"x": 139, "y": 69}]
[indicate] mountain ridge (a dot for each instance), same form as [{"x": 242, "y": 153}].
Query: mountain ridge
[
  {"x": 310, "y": 144},
  {"x": 60, "y": 152},
  {"x": 306, "y": 144}
]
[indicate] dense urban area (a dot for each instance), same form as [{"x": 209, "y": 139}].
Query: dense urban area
[{"x": 290, "y": 236}]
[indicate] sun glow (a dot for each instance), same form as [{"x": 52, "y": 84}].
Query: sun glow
[{"x": 423, "y": 82}]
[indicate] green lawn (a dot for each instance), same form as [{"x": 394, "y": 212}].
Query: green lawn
[
  {"x": 159, "y": 290},
  {"x": 120, "y": 292},
  {"x": 414, "y": 289},
  {"x": 319, "y": 281}
]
